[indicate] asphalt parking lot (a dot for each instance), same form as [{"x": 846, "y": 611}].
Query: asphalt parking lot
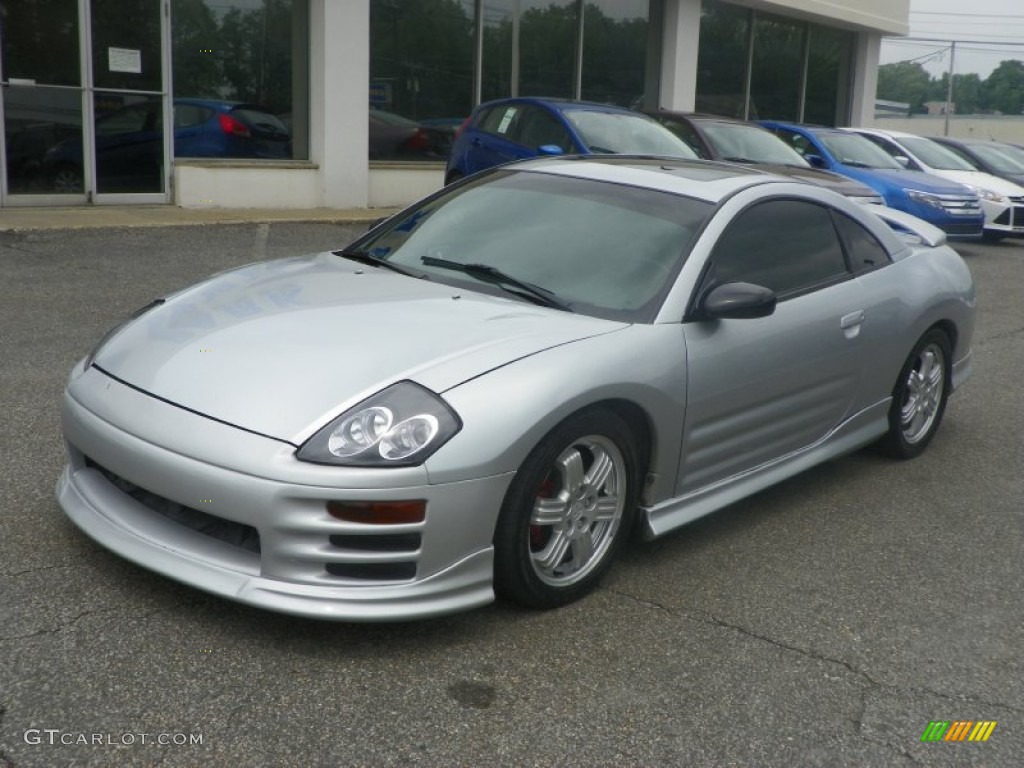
[{"x": 824, "y": 622}]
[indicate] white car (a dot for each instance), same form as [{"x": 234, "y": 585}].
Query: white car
[{"x": 1001, "y": 200}]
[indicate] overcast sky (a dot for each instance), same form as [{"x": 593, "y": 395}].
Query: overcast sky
[{"x": 991, "y": 25}]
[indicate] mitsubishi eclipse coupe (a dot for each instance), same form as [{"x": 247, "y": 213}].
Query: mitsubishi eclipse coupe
[{"x": 489, "y": 391}]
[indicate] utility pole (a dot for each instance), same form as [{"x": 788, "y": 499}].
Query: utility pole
[{"x": 949, "y": 87}]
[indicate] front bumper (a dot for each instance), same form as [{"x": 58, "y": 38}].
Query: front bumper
[
  {"x": 1004, "y": 219},
  {"x": 118, "y": 486}
]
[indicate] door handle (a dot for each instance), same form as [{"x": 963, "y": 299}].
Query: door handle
[{"x": 852, "y": 319}]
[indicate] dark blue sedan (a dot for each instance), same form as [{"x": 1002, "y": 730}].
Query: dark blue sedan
[{"x": 513, "y": 129}]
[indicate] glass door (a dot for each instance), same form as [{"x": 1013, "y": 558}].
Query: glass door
[
  {"x": 84, "y": 102},
  {"x": 42, "y": 107},
  {"x": 127, "y": 110}
]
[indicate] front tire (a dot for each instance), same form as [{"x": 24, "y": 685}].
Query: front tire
[
  {"x": 919, "y": 397},
  {"x": 568, "y": 511}
]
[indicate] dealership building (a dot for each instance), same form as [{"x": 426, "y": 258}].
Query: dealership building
[{"x": 350, "y": 103}]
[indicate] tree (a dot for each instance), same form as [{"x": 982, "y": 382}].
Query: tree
[
  {"x": 1004, "y": 88},
  {"x": 905, "y": 81}
]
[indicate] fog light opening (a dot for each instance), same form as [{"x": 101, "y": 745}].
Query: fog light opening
[{"x": 379, "y": 512}]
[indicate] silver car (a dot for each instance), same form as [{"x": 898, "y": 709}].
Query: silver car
[{"x": 489, "y": 391}]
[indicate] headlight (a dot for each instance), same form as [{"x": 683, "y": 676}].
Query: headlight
[
  {"x": 114, "y": 331},
  {"x": 924, "y": 198},
  {"x": 400, "y": 426},
  {"x": 988, "y": 194}
]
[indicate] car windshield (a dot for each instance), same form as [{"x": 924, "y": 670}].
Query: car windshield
[
  {"x": 624, "y": 133},
  {"x": 1017, "y": 153},
  {"x": 999, "y": 157},
  {"x": 851, "y": 149},
  {"x": 736, "y": 141},
  {"x": 934, "y": 155},
  {"x": 601, "y": 248}
]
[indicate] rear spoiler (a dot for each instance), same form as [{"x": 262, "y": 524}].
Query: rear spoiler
[{"x": 904, "y": 222}]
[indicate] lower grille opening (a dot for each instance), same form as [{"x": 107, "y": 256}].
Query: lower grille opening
[
  {"x": 236, "y": 534},
  {"x": 373, "y": 571},
  {"x": 383, "y": 542}
]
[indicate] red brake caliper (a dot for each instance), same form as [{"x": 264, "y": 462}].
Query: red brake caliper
[{"x": 539, "y": 534}]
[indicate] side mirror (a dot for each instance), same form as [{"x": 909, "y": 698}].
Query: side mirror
[
  {"x": 816, "y": 160},
  {"x": 738, "y": 301},
  {"x": 550, "y": 149},
  {"x": 902, "y": 160}
]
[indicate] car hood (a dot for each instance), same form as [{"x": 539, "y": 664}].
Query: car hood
[
  {"x": 834, "y": 181},
  {"x": 281, "y": 347},
  {"x": 924, "y": 182},
  {"x": 983, "y": 180}
]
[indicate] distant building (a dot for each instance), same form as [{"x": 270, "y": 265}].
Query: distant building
[
  {"x": 885, "y": 108},
  {"x": 939, "y": 107}
]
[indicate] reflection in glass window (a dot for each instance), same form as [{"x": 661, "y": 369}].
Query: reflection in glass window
[
  {"x": 615, "y": 52},
  {"x": 828, "y": 74},
  {"x": 421, "y": 76},
  {"x": 245, "y": 63},
  {"x": 529, "y": 48},
  {"x": 39, "y": 41},
  {"x": 777, "y": 68},
  {"x": 722, "y": 59},
  {"x": 750, "y": 250}
]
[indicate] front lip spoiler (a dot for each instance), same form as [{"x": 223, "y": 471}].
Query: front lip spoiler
[{"x": 464, "y": 585}]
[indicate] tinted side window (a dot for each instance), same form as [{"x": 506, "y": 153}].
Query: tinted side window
[
  {"x": 862, "y": 248},
  {"x": 788, "y": 246},
  {"x": 687, "y": 133},
  {"x": 884, "y": 144},
  {"x": 499, "y": 120},
  {"x": 186, "y": 115},
  {"x": 536, "y": 128}
]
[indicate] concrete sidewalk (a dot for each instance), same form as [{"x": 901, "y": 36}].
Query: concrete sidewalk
[{"x": 116, "y": 216}]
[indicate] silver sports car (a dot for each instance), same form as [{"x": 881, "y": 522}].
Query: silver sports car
[{"x": 489, "y": 391}]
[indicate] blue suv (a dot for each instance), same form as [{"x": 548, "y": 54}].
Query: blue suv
[
  {"x": 945, "y": 204},
  {"x": 513, "y": 129}
]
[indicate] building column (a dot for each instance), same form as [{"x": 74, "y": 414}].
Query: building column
[
  {"x": 865, "y": 78},
  {"x": 339, "y": 100},
  {"x": 679, "y": 45}
]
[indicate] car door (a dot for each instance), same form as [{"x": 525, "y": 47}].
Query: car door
[
  {"x": 761, "y": 389},
  {"x": 491, "y": 142}
]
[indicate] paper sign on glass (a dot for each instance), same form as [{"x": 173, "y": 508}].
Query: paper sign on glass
[{"x": 124, "y": 60}]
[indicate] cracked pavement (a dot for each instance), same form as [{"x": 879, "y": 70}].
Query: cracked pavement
[{"x": 823, "y": 622}]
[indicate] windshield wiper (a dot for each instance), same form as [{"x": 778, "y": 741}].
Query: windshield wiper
[
  {"x": 365, "y": 257},
  {"x": 856, "y": 163},
  {"x": 735, "y": 159},
  {"x": 494, "y": 275}
]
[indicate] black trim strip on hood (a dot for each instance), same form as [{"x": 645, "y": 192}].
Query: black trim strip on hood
[{"x": 191, "y": 410}]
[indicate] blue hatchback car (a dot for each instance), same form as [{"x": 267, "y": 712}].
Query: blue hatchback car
[
  {"x": 513, "y": 129},
  {"x": 945, "y": 204},
  {"x": 130, "y": 149}
]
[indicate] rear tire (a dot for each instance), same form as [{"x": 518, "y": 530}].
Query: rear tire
[
  {"x": 568, "y": 511},
  {"x": 990, "y": 236},
  {"x": 919, "y": 397}
]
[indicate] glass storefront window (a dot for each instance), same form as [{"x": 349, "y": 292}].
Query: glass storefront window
[
  {"x": 783, "y": 53},
  {"x": 421, "y": 76},
  {"x": 722, "y": 59},
  {"x": 244, "y": 64},
  {"x": 775, "y": 78},
  {"x": 529, "y": 48},
  {"x": 828, "y": 76},
  {"x": 615, "y": 52}
]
